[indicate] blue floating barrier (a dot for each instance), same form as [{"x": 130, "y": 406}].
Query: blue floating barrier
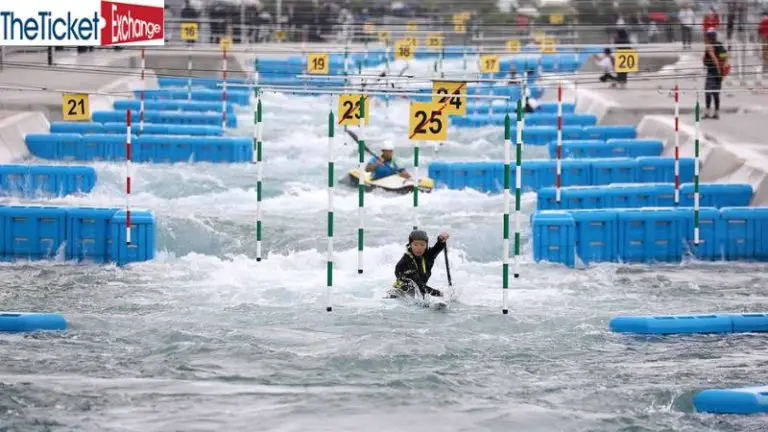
[
  {"x": 554, "y": 237},
  {"x": 167, "y": 117},
  {"x": 650, "y": 235},
  {"x": 672, "y": 324},
  {"x": 596, "y": 235},
  {"x": 717, "y": 194},
  {"x": 635, "y": 147},
  {"x": 235, "y": 97},
  {"x": 59, "y": 146},
  {"x": 610, "y": 132},
  {"x": 172, "y": 105},
  {"x": 710, "y": 242},
  {"x": 83, "y": 234},
  {"x": 164, "y": 129},
  {"x": 744, "y": 232},
  {"x": 142, "y": 246},
  {"x": 577, "y": 149},
  {"x": 33, "y": 232},
  {"x": 170, "y": 149},
  {"x": 662, "y": 169},
  {"x": 76, "y": 127},
  {"x": 551, "y": 107},
  {"x": 607, "y": 171},
  {"x": 22, "y": 322},
  {"x": 744, "y": 400},
  {"x": 89, "y": 234}
]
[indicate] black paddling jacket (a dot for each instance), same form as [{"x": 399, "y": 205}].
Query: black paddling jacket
[{"x": 418, "y": 269}]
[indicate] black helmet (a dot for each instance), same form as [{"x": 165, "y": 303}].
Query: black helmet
[{"x": 418, "y": 235}]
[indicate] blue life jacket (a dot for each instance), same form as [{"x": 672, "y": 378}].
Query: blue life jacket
[{"x": 385, "y": 169}]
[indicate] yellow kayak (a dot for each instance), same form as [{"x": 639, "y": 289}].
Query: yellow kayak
[{"x": 393, "y": 183}]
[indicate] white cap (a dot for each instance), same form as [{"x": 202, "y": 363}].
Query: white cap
[{"x": 388, "y": 146}]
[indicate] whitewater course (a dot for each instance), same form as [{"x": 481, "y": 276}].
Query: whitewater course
[{"x": 214, "y": 294}]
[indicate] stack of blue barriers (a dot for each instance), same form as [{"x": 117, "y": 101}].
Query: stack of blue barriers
[
  {"x": 145, "y": 148},
  {"x": 82, "y": 234},
  {"x": 648, "y": 235},
  {"x": 38, "y": 181},
  {"x": 489, "y": 176}
]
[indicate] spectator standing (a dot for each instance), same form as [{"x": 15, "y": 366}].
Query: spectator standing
[{"x": 687, "y": 21}]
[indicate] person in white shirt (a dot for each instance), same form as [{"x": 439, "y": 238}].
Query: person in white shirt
[
  {"x": 606, "y": 63},
  {"x": 687, "y": 21}
]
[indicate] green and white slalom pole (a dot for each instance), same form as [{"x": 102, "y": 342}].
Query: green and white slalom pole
[
  {"x": 505, "y": 243},
  {"x": 518, "y": 184},
  {"x": 697, "y": 113},
  {"x": 329, "y": 264},
  {"x": 257, "y": 144},
  {"x": 361, "y": 187}
]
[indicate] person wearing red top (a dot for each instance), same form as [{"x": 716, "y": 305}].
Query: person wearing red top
[
  {"x": 763, "y": 31},
  {"x": 711, "y": 21}
]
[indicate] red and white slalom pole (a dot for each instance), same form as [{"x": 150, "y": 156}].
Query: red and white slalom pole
[
  {"x": 558, "y": 182},
  {"x": 677, "y": 145},
  {"x": 224, "y": 89},
  {"x": 128, "y": 177}
]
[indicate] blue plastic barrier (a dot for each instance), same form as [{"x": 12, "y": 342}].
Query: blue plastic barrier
[
  {"x": 613, "y": 148},
  {"x": 120, "y": 128},
  {"x": 160, "y": 149},
  {"x": 691, "y": 324},
  {"x": 554, "y": 237},
  {"x": 595, "y": 235},
  {"x": 644, "y": 195},
  {"x": 745, "y": 400},
  {"x": 48, "y": 146},
  {"x": 666, "y": 235},
  {"x": 172, "y": 105},
  {"x": 146, "y": 148},
  {"x": 164, "y": 129},
  {"x": 22, "y": 322},
  {"x": 662, "y": 169},
  {"x": 538, "y": 174},
  {"x": 166, "y": 117},
  {"x": 744, "y": 232},
  {"x": 34, "y": 181},
  {"x": 204, "y": 95},
  {"x": 717, "y": 194},
  {"x": 34, "y": 233},
  {"x": 77, "y": 127},
  {"x": 209, "y": 83}
]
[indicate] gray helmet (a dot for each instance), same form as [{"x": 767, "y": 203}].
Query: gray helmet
[{"x": 418, "y": 235}]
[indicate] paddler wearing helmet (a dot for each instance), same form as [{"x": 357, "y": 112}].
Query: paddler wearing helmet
[
  {"x": 384, "y": 165},
  {"x": 415, "y": 267}
]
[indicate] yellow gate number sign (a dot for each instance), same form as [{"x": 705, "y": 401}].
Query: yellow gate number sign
[
  {"x": 427, "y": 122},
  {"x": 317, "y": 63},
  {"x": 369, "y": 28},
  {"x": 548, "y": 46},
  {"x": 412, "y": 26},
  {"x": 226, "y": 44},
  {"x": 513, "y": 46},
  {"x": 75, "y": 107},
  {"x": 489, "y": 64},
  {"x": 451, "y": 105},
  {"x": 349, "y": 110},
  {"x": 459, "y": 28},
  {"x": 556, "y": 19},
  {"x": 627, "y": 60},
  {"x": 435, "y": 41},
  {"x": 384, "y": 37},
  {"x": 189, "y": 31},
  {"x": 280, "y": 35},
  {"x": 403, "y": 50}
]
